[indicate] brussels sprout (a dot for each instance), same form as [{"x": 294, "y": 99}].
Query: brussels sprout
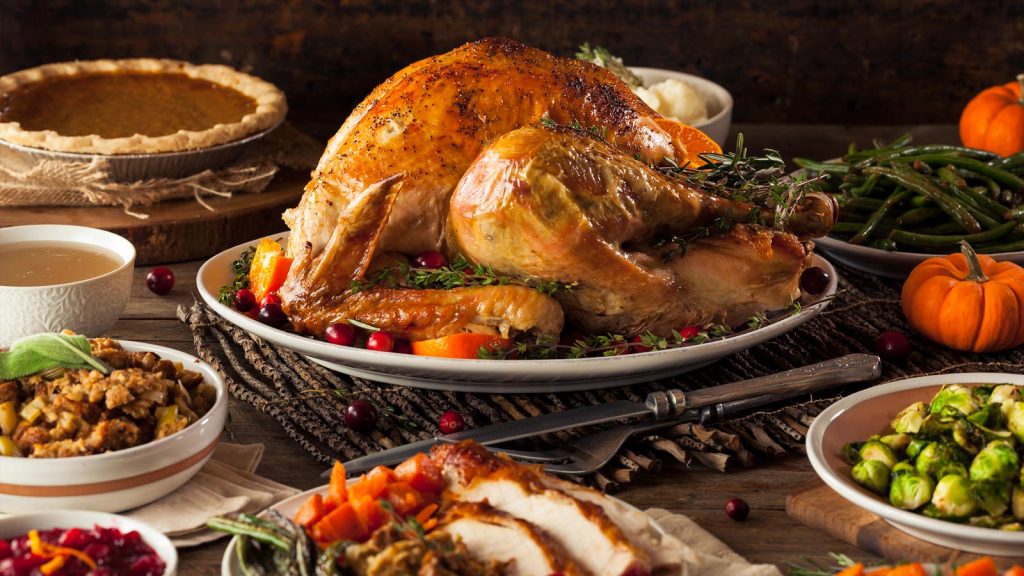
[
  {"x": 871, "y": 474},
  {"x": 904, "y": 467},
  {"x": 968, "y": 437},
  {"x": 898, "y": 442},
  {"x": 997, "y": 461},
  {"x": 1015, "y": 420},
  {"x": 992, "y": 495},
  {"x": 938, "y": 459},
  {"x": 851, "y": 452},
  {"x": 1012, "y": 527},
  {"x": 982, "y": 415},
  {"x": 915, "y": 447},
  {"x": 909, "y": 420},
  {"x": 952, "y": 497},
  {"x": 990, "y": 521},
  {"x": 1004, "y": 393},
  {"x": 876, "y": 450},
  {"x": 954, "y": 396},
  {"x": 1017, "y": 503},
  {"x": 910, "y": 491}
]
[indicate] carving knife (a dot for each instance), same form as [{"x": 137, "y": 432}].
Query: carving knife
[{"x": 661, "y": 405}]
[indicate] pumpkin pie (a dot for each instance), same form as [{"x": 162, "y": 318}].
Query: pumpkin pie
[{"x": 136, "y": 106}]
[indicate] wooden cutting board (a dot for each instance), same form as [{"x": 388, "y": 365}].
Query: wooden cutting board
[
  {"x": 818, "y": 506},
  {"x": 181, "y": 229}
]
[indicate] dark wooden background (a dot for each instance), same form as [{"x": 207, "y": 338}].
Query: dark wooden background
[{"x": 792, "y": 61}]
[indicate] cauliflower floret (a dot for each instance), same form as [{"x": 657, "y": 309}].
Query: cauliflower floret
[{"x": 675, "y": 99}]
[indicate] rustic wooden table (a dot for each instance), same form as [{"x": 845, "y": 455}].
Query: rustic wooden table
[{"x": 767, "y": 536}]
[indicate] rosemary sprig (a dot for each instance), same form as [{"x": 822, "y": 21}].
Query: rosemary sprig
[
  {"x": 598, "y": 132},
  {"x": 240, "y": 268},
  {"x": 459, "y": 273},
  {"x": 603, "y": 58}
]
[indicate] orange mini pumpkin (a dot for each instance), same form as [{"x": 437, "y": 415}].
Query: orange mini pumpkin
[
  {"x": 994, "y": 119},
  {"x": 967, "y": 302}
]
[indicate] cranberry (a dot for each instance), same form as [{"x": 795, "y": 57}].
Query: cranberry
[
  {"x": 687, "y": 332},
  {"x": 737, "y": 509},
  {"x": 892, "y": 345},
  {"x": 160, "y": 280},
  {"x": 380, "y": 342},
  {"x": 270, "y": 298},
  {"x": 402, "y": 346},
  {"x": 74, "y": 538},
  {"x": 5, "y": 549},
  {"x": 361, "y": 416},
  {"x": 814, "y": 280},
  {"x": 99, "y": 552},
  {"x": 146, "y": 565},
  {"x": 245, "y": 300},
  {"x": 451, "y": 422},
  {"x": 272, "y": 315},
  {"x": 637, "y": 344},
  {"x": 429, "y": 259},
  {"x": 341, "y": 334}
]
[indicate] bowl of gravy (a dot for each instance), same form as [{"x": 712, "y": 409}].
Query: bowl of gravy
[{"x": 55, "y": 277}]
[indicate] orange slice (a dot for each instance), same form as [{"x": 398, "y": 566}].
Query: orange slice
[
  {"x": 688, "y": 141},
  {"x": 463, "y": 345}
]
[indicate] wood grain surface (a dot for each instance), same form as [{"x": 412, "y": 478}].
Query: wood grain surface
[
  {"x": 182, "y": 229},
  {"x": 769, "y": 535},
  {"x": 843, "y": 61}
]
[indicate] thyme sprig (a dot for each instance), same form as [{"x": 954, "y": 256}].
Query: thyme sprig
[
  {"x": 240, "y": 267},
  {"x": 598, "y": 132},
  {"x": 459, "y": 273},
  {"x": 603, "y": 58}
]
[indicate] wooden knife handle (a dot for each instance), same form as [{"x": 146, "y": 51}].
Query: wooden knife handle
[{"x": 803, "y": 380}]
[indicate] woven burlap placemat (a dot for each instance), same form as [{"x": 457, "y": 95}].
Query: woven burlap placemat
[{"x": 308, "y": 400}]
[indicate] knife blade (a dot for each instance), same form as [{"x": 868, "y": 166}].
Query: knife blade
[{"x": 659, "y": 405}]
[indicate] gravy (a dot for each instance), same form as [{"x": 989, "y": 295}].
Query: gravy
[{"x": 45, "y": 263}]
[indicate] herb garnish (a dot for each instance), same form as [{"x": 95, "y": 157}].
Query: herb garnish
[
  {"x": 459, "y": 273},
  {"x": 241, "y": 268},
  {"x": 42, "y": 352},
  {"x": 603, "y": 58}
]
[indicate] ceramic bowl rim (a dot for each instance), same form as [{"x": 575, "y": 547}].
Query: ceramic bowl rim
[{"x": 727, "y": 102}]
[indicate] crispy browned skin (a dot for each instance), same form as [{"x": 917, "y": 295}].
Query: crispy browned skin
[
  {"x": 558, "y": 206},
  {"x": 431, "y": 119}
]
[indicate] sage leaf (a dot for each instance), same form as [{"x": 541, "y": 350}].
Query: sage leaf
[{"x": 39, "y": 352}]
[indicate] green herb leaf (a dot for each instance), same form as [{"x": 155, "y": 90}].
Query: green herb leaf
[{"x": 40, "y": 352}]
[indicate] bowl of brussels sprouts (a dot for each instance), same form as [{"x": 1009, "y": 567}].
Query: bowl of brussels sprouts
[{"x": 938, "y": 457}]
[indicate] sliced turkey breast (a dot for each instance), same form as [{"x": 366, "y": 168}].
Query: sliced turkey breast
[{"x": 489, "y": 534}]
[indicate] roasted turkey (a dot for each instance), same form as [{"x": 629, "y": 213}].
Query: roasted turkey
[{"x": 449, "y": 154}]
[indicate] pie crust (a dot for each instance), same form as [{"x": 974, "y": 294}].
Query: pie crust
[{"x": 271, "y": 108}]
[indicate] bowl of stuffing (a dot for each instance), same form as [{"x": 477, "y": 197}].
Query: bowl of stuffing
[
  {"x": 83, "y": 542},
  {"x": 100, "y": 424}
]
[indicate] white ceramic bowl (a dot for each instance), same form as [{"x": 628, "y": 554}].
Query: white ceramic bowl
[
  {"x": 88, "y": 307},
  {"x": 123, "y": 479},
  {"x": 19, "y": 525},
  {"x": 718, "y": 99},
  {"x": 860, "y": 415}
]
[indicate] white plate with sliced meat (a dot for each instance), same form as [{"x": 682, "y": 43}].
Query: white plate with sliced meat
[
  {"x": 504, "y": 511},
  {"x": 506, "y": 376}
]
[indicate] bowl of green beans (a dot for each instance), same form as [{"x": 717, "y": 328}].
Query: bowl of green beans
[{"x": 902, "y": 203}]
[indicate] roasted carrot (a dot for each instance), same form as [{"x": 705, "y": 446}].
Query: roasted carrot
[
  {"x": 980, "y": 567},
  {"x": 421, "y": 473},
  {"x": 311, "y": 511},
  {"x": 337, "y": 491},
  {"x": 855, "y": 570},
  {"x": 373, "y": 484},
  {"x": 341, "y": 524},
  {"x": 370, "y": 513},
  {"x": 405, "y": 499},
  {"x": 1015, "y": 571},
  {"x": 915, "y": 569}
]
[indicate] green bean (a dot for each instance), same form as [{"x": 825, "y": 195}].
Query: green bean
[
  {"x": 903, "y": 237},
  {"x": 847, "y": 227},
  {"x": 862, "y": 203},
  {"x": 1014, "y": 246},
  {"x": 999, "y": 175},
  {"x": 1015, "y": 213},
  {"x": 904, "y": 175},
  {"x": 987, "y": 219},
  {"x": 880, "y": 148},
  {"x": 921, "y": 201},
  {"x": 918, "y": 216},
  {"x": 948, "y": 227},
  {"x": 1011, "y": 161},
  {"x": 873, "y": 222},
  {"x": 246, "y": 529},
  {"x": 867, "y": 187},
  {"x": 826, "y": 167}
]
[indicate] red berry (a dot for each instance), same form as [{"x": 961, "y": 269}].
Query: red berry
[
  {"x": 637, "y": 345},
  {"x": 381, "y": 342},
  {"x": 272, "y": 315},
  {"x": 270, "y": 298},
  {"x": 892, "y": 345},
  {"x": 340, "y": 333},
  {"x": 687, "y": 332},
  {"x": 160, "y": 280},
  {"x": 814, "y": 280},
  {"x": 737, "y": 509},
  {"x": 429, "y": 259},
  {"x": 402, "y": 346},
  {"x": 245, "y": 300},
  {"x": 361, "y": 416},
  {"x": 451, "y": 422}
]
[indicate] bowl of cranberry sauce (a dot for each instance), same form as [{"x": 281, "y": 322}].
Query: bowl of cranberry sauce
[{"x": 80, "y": 543}]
